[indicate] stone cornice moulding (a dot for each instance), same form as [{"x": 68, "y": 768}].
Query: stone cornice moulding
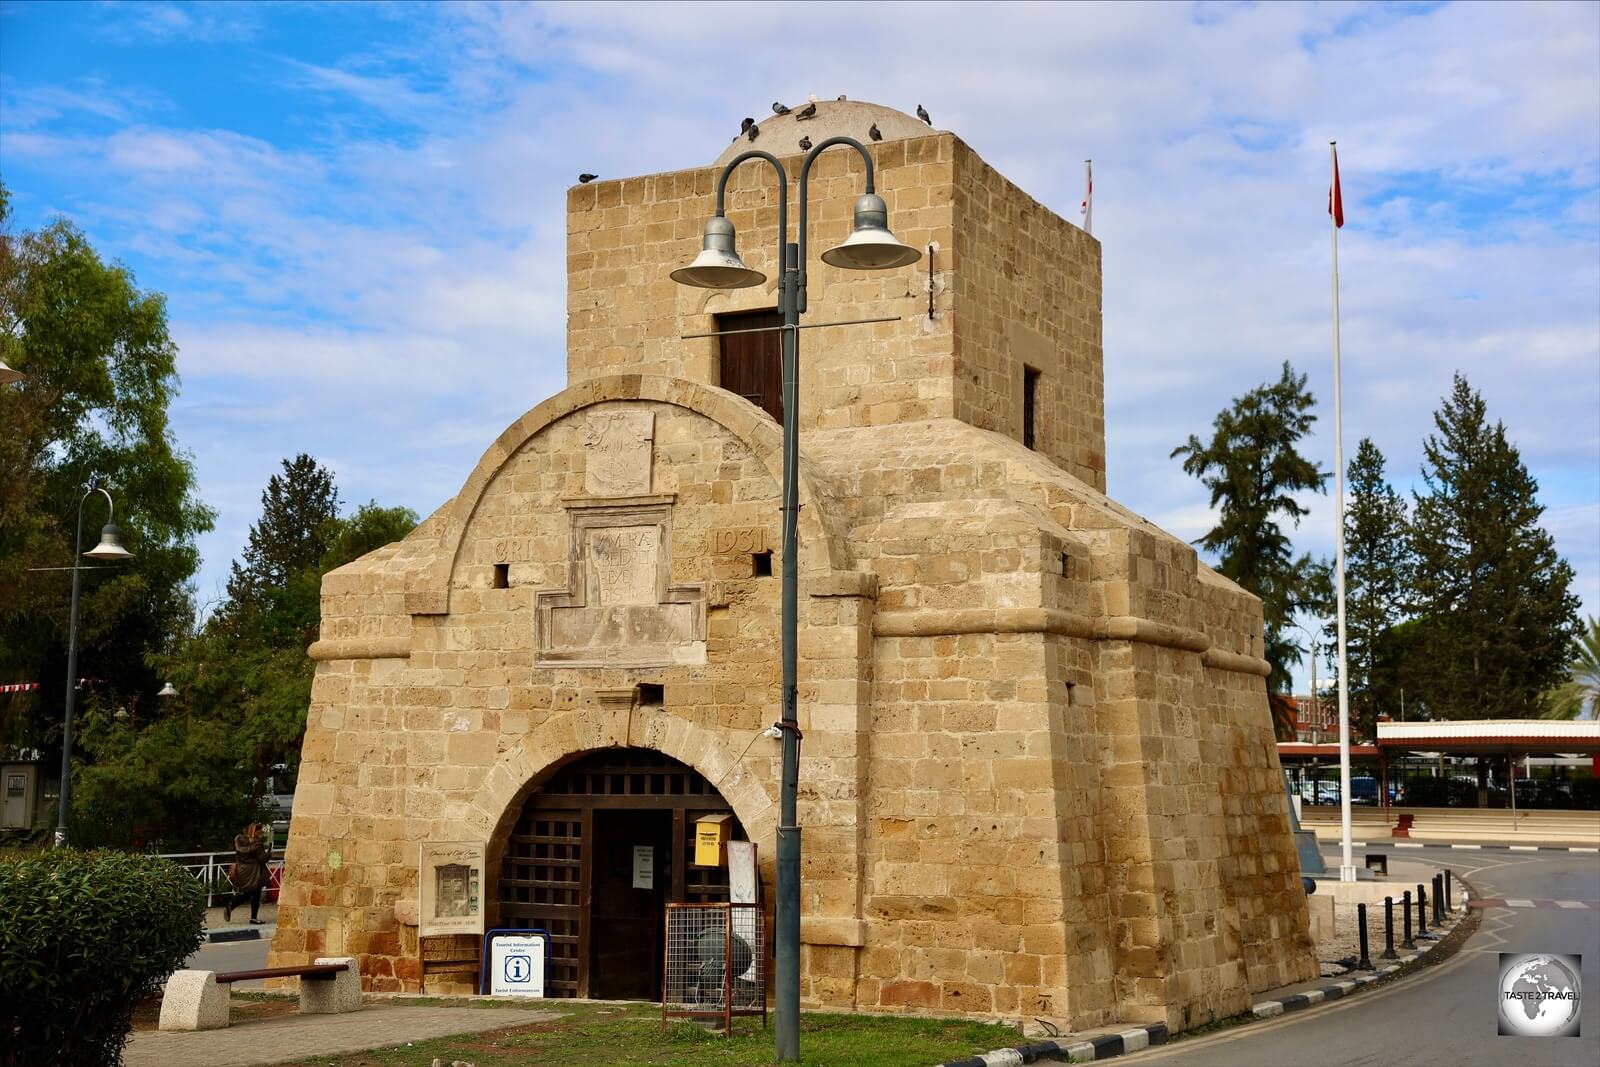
[
  {"x": 958, "y": 621},
  {"x": 360, "y": 648}
]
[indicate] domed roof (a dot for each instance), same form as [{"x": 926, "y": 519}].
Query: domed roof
[{"x": 781, "y": 134}]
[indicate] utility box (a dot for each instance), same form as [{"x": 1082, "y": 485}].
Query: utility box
[{"x": 711, "y": 840}]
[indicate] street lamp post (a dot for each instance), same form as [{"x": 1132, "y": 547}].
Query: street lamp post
[
  {"x": 870, "y": 246},
  {"x": 110, "y": 549}
]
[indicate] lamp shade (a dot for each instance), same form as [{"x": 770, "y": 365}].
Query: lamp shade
[
  {"x": 110, "y": 546},
  {"x": 7, "y": 375},
  {"x": 718, "y": 265},
  {"x": 870, "y": 245},
  {"x": 168, "y": 690}
]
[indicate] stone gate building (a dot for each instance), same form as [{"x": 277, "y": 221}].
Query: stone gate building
[{"x": 1038, "y": 775}]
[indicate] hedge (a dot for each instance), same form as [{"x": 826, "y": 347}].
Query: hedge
[{"x": 85, "y": 936}]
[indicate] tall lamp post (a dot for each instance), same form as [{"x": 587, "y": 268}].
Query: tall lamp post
[
  {"x": 870, "y": 246},
  {"x": 109, "y": 549}
]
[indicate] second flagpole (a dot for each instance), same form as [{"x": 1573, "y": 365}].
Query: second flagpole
[{"x": 1347, "y": 868}]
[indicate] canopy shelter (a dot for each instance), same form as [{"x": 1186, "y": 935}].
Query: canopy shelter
[{"x": 1484, "y": 738}]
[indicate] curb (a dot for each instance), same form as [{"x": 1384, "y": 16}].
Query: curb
[
  {"x": 1267, "y": 1009},
  {"x": 1099, "y": 1048},
  {"x": 1397, "y": 843}
]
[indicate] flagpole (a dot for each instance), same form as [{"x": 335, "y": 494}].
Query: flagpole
[
  {"x": 1088, "y": 197},
  {"x": 1347, "y": 867}
]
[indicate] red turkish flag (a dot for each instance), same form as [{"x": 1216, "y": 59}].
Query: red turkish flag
[{"x": 1335, "y": 201}]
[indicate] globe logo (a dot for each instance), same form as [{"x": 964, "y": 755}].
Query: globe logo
[{"x": 1538, "y": 995}]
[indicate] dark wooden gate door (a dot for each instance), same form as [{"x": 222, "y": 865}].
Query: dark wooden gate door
[
  {"x": 568, "y": 867},
  {"x": 752, "y": 363}
]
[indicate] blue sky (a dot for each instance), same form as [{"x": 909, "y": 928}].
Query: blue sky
[{"x": 356, "y": 211}]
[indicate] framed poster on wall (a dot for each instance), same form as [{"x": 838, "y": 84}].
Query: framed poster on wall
[{"x": 451, "y": 889}]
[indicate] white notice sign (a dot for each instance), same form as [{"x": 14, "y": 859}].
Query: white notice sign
[
  {"x": 742, "y": 881},
  {"x": 644, "y": 867},
  {"x": 516, "y": 965}
]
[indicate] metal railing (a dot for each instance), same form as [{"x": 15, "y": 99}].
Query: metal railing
[{"x": 210, "y": 869}]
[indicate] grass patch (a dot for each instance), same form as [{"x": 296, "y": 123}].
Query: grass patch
[{"x": 600, "y": 1035}]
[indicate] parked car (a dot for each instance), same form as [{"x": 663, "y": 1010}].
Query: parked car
[{"x": 1364, "y": 790}]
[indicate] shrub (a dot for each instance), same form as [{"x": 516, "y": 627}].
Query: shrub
[{"x": 84, "y": 936}]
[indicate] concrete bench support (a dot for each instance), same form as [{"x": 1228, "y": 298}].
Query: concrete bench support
[
  {"x": 193, "y": 1000},
  {"x": 328, "y": 996}
]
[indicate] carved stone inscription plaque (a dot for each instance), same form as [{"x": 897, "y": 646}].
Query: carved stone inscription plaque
[
  {"x": 622, "y": 565},
  {"x": 617, "y": 452},
  {"x": 622, "y": 609}
]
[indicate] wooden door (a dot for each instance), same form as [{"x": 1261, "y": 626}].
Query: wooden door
[
  {"x": 752, "y": 363},
  {"x": 569, "y": 861}
]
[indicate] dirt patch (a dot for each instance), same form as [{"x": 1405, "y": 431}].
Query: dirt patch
[{"x": 147, "y": 1016}]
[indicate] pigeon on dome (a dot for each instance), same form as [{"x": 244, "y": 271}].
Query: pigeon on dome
[{"x": 825, "y": 119}]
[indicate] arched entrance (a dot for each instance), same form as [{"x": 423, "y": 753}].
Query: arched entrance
[{"x": 575, "y": 866}]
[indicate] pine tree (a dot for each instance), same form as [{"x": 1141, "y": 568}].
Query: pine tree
[
  {"x": 299, "y": 515},
  {"x": 1377, "y": 556},
  {"x": 1253, "y": 468},
  {"x": 1494, "y": 600}
]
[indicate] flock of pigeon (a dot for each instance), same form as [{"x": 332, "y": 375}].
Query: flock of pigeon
[{"x": 749, "y": 130}]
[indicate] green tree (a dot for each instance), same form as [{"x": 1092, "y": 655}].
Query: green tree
[
  {"x": 1493, "y": 598},
  {"x": 101, "y": 375},
  {"x": 196, "y": 773},
  {"x": 1377, "y": 556},
  {"x": 1579, "y": 696},
  {"x": 1253, "y": 468},
  {"x": 299, "y": 510}
]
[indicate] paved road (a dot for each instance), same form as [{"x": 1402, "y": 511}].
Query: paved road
[
  {"x": 234, "y": 956},
  {"x": 1445, "y": 1016}
]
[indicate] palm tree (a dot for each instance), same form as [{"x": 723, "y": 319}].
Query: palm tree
[{"x": 1581, "y": 690}]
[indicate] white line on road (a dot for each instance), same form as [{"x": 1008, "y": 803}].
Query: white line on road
[
  {"x": 1523, "y": 848},
  {"x": 1520, "y": 904},
  {"x": 1571, "y": 904},
  {"x": 1576, "y": 849},
  {"x": 1404, "y": 844},
  {"x": 1467, "y": 846}
]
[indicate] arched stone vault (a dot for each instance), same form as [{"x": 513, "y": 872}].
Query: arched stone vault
[
  {"x": 821, "y": 548},
  {"x": 542, "y": 751}
]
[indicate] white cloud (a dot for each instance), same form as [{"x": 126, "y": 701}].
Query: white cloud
[{"x": 389, "y": 287}]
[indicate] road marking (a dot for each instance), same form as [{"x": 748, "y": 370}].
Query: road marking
[
  {"x": 1405, "y": 844},
  {"x": 1571, "y": 904},
  {"x": 1576, "y": 849},
  {"x": 1474, "y": 847},
  {"x": 1523, "y": 848},
  {"x": 1520, "y": 903}
]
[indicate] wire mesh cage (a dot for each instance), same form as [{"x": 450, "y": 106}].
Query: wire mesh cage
[{"x": 716, "y": 963}]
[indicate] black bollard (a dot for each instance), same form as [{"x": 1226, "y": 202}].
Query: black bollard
[
  {"x": 1438, "y": 899},
  {"x": 1422, "y": 911},
  {"x": 1388, "y": 928},
  {"x": 1364, "y": 963},
  {"x": 1447, "y": 890},
  {"x": 1405, "y": 915}
]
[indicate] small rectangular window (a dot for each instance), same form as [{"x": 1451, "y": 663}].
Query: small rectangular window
[
  {"x": 761, "y": 564},
  {"x": 652, "y": 695},
  {"x": 1030, "y": 404},
  {"x": 502, "y": 575}
]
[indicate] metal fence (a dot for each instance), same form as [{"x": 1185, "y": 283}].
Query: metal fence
[
  {"x": 716, "y": 964},
  {"x": 211, "y": 870}
]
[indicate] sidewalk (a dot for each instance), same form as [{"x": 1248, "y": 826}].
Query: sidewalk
[
  {"x": 294, "y": 1037},
  {"x": 239, "y": 929}
]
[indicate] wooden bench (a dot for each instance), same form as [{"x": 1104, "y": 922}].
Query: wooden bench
[
  {"x": 198, "y": 1000},
  {"x": 314, "y": 971}
]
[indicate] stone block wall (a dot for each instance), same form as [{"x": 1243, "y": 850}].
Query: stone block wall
[{"x": 1027, "y": 294}]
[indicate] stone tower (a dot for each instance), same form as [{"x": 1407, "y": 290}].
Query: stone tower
[{"x": 1038, "y": 775}]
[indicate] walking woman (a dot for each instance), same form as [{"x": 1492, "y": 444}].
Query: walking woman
[{"x": 248, "y": 873}]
